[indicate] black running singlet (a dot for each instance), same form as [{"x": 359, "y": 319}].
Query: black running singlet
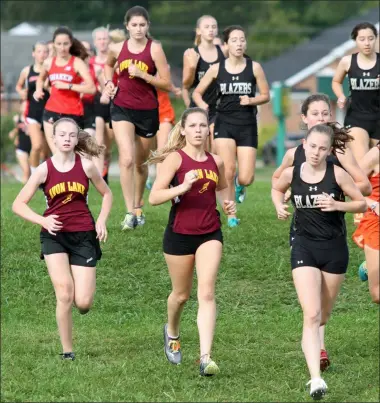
[
  {"x": 300, "y": 157},
  {"x": 231, "y": 87},
  {"x": 364, "y": 90},
  {"x": 309, "y": 221},
  {"x": 35, "y": 108},
  {"x": 211, "y": 94}
]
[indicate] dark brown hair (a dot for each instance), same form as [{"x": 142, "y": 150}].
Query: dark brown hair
[
  {"x": 362, "y": 25},
  {"x": 77, "y": 48},
  {"x": 137, "y": 11},
  {"x": 339, "y": 136},
  {"x": 227, "y": 32},
  {"x": 314, "y": 98}
]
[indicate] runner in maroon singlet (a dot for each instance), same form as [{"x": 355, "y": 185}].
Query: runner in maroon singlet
[
  {"x": 134, "y": 109},
  {"x": 69, "y": 236},
  {"x": 190, "y": 177}
]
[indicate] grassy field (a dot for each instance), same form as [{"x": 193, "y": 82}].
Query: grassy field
[{"x": 119, "y": 343}]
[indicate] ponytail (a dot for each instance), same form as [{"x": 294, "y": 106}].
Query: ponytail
[
  {"x": 176, "y": 141},
  {"x": 77, "y": 49},
  {"x": 340, "y": 138},
  {"x": 197, "y": 40},
  {"x": 87, "y": 145}
]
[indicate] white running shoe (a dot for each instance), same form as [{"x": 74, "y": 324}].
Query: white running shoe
[
  {"x": 318, "y": 388},
  {"x": 129, "y": 222}
]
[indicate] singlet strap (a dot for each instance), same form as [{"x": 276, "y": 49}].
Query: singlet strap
[
  {"x": 220, "y": 53},
  {"x": 354, "y": 61}
]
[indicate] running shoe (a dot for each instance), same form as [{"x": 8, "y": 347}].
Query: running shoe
[
  {"x": 324, "y": 360},
  {"x": 140, "y": 217},
  {"x": 172, "y": 348},
  {"x": 149, "y": 183},
  {"x": 363, "y": 272},
  {"x": 233, "y": 222},
  {"x": 129, "y": 222},
  {"x": 240, "y": 191},
  {"x": 318, "y": 388},
  {"x": 68, "y": 356},
  {"x": 208, "y": 367}
]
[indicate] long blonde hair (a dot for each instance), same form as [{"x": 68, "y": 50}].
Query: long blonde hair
[
  {"x": 176, "y": 140},
  {"x": 198, "y": 39},
  {"x": 86, "y": 143}
]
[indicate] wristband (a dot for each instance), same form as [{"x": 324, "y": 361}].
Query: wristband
[{"x": 373, "y": 206}]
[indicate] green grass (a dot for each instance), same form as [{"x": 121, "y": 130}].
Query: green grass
[{"x": 119, "y": 344}]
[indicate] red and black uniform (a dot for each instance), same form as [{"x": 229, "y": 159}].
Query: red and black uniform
[
  {"x": 194, "y": 218},
  {"x": 23, "y": 144},
  {"x": 66, "y": 196},
  {"x": 88, "y": 101},
  {"x": 100, "y": 110},
  {"x": 34, "y": 109},
  {"x": 64, "y": 103},
  {"x": 136, "y": 100}
]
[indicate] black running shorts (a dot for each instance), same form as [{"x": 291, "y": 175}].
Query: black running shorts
[
  {"x": 146, "y": 122},
  {"x": 330, "y": 256},
  {"x": 52, "y": 117},
  {"x": 89, "y": 116},
  {"x": 244, "y": 136},
  {"x": 372, "y": 127},
  {"x": 101, "y": 110},
  {"x": 183, "y": 244},
  {"x": 82, "y": 247}
]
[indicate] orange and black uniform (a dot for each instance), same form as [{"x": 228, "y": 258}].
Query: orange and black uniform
[
  {"x": 165, "y": 108},
  {"x": 66, "y": 196},
  {"x": 64, "y": 103},
  {"x": 194, "y": 218},
  {"x": 136, "y": 100},
  {"x": 368, "y": 231}
]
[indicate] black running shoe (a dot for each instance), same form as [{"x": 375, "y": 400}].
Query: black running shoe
[{"x": 68, "y": 356}]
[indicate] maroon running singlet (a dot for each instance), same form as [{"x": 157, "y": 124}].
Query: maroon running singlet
[
  {"x": 195, "y": 212},
  {"x": 66, "y": 196},
  {"x": 133, "y": 92}
]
